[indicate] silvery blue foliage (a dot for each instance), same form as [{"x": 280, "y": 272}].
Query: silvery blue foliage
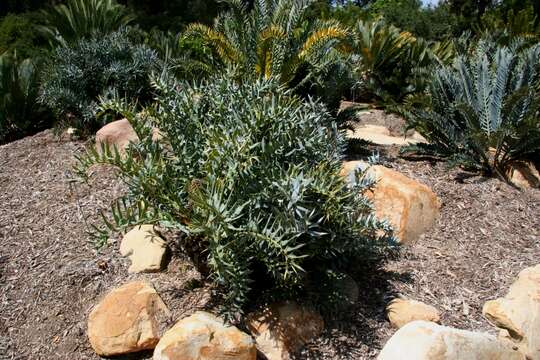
[{"x": 250, "y": 174}]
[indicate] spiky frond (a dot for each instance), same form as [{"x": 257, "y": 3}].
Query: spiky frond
[
  {"x": 83, "y": 18},
  {"x": 272, "y": 40},
  {"x": 267, "y": 210},
  {"x": 20, "y": 113},
  {"x": 484, "y": 108}
]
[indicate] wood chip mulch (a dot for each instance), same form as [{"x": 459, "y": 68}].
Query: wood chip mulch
[{"x": 51, "y": 274}]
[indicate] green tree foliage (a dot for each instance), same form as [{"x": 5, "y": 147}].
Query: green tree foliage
[
  {"x": 18, "y": 34},
  {"x": 77, "y": 75},
  {"x": 249, "y": 173},
  {"x": 66, "y": 23},
  {"x": 20, "y": 6},
  {"x": 20, "y": 113},
  {"x": 510, "y": 21},
  {"x": 173, "y": 15},
  {"x": 273, "y": 40},
  {"x": 484, "y": 109}
]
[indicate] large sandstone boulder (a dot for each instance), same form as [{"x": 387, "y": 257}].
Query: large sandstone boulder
[
  {"x": 116, "y": 134},
  {"x": 401, "y": 312},
  {"x": 409, "y": 206},
  {"x": 126, "y": 320},
  {"x": 145, "y": 248},
  {"x": 284, "y": 328},
  {"x": 203, "y": 336},
  {"x": 518, "y": 313},
  {"x": 421, "y": 340}
]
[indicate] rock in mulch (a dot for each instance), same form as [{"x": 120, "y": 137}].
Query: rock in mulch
[
  {"x": 403, "y": 311},
  {"x": 126, "y": 320},
  {"x": 421, "y": 340},
  {"x": 411, "y": 207},
  {"x": 380, "y": 135},
  {"x": 518, "y": 313},
  {"x": 524, "y": 174},
  {"x": 116, "y": 134},
  {"x": 145, "y": 248},
  {"x": 284, "y": 328},
  {"x": 203, "y": 336}
]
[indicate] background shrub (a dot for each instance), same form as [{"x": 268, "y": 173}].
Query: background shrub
[
  {"x": 249, "y": 173},
  {"x": 274, "y": 38},
  {"x": 78, "y": 75},
  {"x": 67, "y": 23},
  {"x": 20, "y": 112},
  {"x": 18, "y": 35},
  {"x": 483, "y": 110}
]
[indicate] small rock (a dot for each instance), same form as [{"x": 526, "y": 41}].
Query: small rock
[
  {"x": 518, "y": 313},
  {"x": 284, "y": 328},
  {"x": 116, "y": 134},
  {"x": 145, "y": 248},
  {"x": 126, "y": 320},
  {"x": 411, "y": 207},
  {"x": 203, "y": 336},
  {"x": 69, "y": 134},
  {"x": 421, "y": 340},
  {"x": 401, "y": 312}
]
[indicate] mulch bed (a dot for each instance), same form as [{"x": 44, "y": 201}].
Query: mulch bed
[{"x": 51, "y": 274}]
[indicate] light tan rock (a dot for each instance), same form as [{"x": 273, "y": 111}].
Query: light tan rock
[
  {"x": 518, "y": 313},
  {"x": 126, "y": 320},
  {"x": 145, "y": 248},
  {"x": 381, "y": 135},
  {"x": 422, "y": 340},
  {"x": 284, "y": 328},
  {"x": 524, "y": 174},
  {"x": 401, "y": 312},
  {"x": 116, "y": 134},
  {"x": 409, "y": 206},
  {"x": 203, "y": 336}
]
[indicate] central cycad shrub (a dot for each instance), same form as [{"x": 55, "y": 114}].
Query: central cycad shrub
[{"x": 250, "y": 174}]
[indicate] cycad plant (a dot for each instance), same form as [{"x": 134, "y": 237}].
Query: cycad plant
[
  {"x": 484, "y": 109},
  {"x": 389, "y": 64},
  {"x": 77, "y": 75},
  {"x": 249, "y": 174},
  {"x": 187, "y": 58},
  {"x": 20, "y": 113},
  {"x": 66, "y": 23},
  {"x": 273, "y": 40}
]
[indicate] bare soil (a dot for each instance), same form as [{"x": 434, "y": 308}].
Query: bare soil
[{"x": 51, "y": 274}]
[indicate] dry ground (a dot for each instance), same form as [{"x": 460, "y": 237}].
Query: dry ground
[{"x": 51, "y": 274}]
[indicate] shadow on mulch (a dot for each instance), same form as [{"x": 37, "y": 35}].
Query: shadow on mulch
[{"x": 353, "y": 333}]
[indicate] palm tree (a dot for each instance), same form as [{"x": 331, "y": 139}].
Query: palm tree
[{"x": 273, "y": 39}]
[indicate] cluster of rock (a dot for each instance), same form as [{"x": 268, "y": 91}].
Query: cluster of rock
[
  {"x": 517, "y": 315},
  {"x": 129, "y": 319}
]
